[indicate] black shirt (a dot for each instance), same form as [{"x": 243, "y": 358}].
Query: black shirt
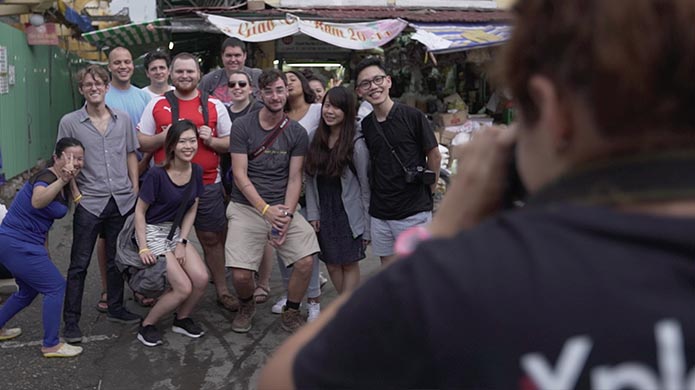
[{"x": 409, "y": 132}]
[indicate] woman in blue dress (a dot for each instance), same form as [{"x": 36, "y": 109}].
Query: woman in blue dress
[{"x": 23, "y": 236}]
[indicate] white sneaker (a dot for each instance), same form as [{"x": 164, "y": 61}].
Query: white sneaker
[
  {"x": 322, "y": 280},
  {"x": 314, "y": 309},
  {"x": 277, "y": 307}
]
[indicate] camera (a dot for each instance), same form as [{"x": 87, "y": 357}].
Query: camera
[{"x": 420, "y": 175}]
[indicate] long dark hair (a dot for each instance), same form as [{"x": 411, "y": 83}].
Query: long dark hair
[
  {"x": 320, "y": 158},
  {"x": 173, "y": 136},
  {"x": 309, "y": 95},
  {"x": 62, "y": 144}
]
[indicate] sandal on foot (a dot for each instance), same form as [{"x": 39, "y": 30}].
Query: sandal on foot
[
  {"x": 103, "y": 304},
  {"x": 143, "y": 300},
  {"x": 260, "y": 294},
  {"x": 65, "y": 350},
  {"x": 9, "y": 333},
  {"x": 229, "y": 302}
]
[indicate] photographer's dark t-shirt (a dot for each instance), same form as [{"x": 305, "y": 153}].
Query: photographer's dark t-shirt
[
  {"x": 409, "y": 132},
  {"x": 553, "y": 297}
]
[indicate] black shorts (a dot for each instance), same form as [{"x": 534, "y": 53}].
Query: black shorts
[{"x": 211, "y": 211}]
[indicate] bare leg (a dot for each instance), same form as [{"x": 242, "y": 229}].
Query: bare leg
[
  {"x": 266, "y": 267},
  {"x": 198, "y": 275},
  {"x": 299, "y": 280},
  {"x": 181, "y": 289},
  {"x": 351, "y": 276},
  {"x": 213, "y": 248},
  {"x": 387, "y": 260},
  {"x": 336, "y": 273},
  {"x": 243, "y": 282}
]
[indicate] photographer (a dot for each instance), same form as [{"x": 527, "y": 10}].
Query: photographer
[{"x": 404, "y": 160}]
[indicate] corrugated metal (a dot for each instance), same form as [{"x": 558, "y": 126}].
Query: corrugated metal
[{"x": 30, "y": 112}]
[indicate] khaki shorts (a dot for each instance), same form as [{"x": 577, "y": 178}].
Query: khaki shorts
[{"x": 247, "y": 235}]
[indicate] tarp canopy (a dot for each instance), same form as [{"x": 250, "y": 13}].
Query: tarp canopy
[
  {"x": 449, "y": 38},
  {"x": 355, "y": 36},
  {"x": 131, "y": 35}
]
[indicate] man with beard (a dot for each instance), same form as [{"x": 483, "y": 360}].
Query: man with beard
[
  {"x": 210, "y": 222},
  {"x": 267, "y": 162}
]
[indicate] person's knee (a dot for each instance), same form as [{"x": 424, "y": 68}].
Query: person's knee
[
  {"x": 242, "y": 277},
  {"x": 304, "y": 266},
  {"x": 183, "y": 289},
  {"x": 200, "y": 279}
]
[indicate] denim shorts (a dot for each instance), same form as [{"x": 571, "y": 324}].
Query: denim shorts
[{"x": 385, "y": 232}]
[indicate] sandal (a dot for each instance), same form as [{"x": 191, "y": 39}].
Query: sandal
[
  {"x": 143, "y": 300},
  {"x": 260, "y": 294},
  {"x": 229, "y": 302},
  {"x": 103, "y": 304}
]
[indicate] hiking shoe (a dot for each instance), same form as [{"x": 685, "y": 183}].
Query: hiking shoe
[
  {"x": 291, "y": 319},
  {"x": 66, "y": 350},
  {"x": 229, "y": 302},
  {"x": 314, "y": 309},
  {"x": 187, "y": 327},
  {"x": 72, "y": 333},
  {"x": 150, "y": 335},
  {"x": 123, "y": 317},
  {"x": 242, "y": 321},
  {"x": 279, "y": 305},
  {"x": 9, "y": 333}
]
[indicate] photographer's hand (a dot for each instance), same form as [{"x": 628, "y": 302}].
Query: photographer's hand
[{"x": 476, "y": 190}]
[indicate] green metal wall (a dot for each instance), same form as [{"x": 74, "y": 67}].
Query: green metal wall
[{"x": 44, "y": 91}]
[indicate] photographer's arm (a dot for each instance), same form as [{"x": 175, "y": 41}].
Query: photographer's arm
[{"x": 434, "y": 162}]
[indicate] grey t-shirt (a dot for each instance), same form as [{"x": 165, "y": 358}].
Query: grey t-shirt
[{"x": 270, "y": 171}]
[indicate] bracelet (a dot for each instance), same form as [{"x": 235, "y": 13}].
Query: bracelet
[
  {"x": 265, "y": 209},
  {"x": 78, "y": 198},
  {"x": 143, "y": 250}
]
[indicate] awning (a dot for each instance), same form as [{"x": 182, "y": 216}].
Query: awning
[
  {"x": 131, "y": 35},
  {"x": 449, "y": 38},
  {"x": 355, "y": 36}
]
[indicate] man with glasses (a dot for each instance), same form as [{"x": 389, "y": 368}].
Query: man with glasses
[
  {"x": 108, "y": 186},
  {"x": 401, "y": 143},
  {"x": 233, "y": 54},
  {"x": 210, "y": 222},
  {"x": 267, "y": 162}
]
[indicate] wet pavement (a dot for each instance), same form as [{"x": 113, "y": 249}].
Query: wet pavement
[{"x": 114, "y": 359}]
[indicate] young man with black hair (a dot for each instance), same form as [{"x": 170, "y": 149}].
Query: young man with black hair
[{"x": 157, "y": 70}]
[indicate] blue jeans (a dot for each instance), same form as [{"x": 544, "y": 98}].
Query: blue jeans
[
  {"x": 34, "y": 273},
  {"x": 85, "y": 229}
]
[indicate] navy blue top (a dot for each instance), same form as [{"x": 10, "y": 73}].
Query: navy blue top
[
  {"x": 27, "y": 223},
  {"x": 164, "y": 196}
]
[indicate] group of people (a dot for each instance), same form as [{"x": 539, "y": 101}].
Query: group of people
[{"x": 252, "y": 160}]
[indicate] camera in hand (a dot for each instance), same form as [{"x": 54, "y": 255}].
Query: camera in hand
[{"x": 420, "y": 175}]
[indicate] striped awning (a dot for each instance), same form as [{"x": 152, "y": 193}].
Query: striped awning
[
  {"x": 449, "y": 38},
  {"x": 131, "y": 35}
]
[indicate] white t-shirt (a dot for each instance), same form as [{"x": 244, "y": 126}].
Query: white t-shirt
[
  {"x": 311, "y": 120},
  {"x": 147, "y": 89}
]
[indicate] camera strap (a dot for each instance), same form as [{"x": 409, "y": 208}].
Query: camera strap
[{"x": 393, "y": 150}]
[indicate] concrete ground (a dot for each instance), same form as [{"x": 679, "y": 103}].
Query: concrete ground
[{"x": 114, "y": 359}]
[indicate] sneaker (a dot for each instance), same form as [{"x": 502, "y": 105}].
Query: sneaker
[
  {"x": 150, "y": 335},
  {"x": 314, "y": 309},
  {"x": 291, "y": 320},
  {"x": 9, "y": 333},
  {"x": 124, "y": 317},
  {"x": 72, "y": 333},
  {"x": 322, "y": 280},
  {"x": 66, "y": 350},
  {"x": 279, "y": 305},
  {"x": 187, "y": 327},
  {"x": 242, "y": 321}
]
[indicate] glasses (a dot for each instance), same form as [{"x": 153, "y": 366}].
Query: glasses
[
  {"x": 232, "y": 84},
  {"x": 377, "y": 80},
  {"x": 270, "y": 92},
  {"x": 90, "y": 85}
]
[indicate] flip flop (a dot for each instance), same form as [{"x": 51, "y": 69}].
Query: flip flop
[
  {"x": 260, "y": 294},
  {"x": 103, "y": 304}
]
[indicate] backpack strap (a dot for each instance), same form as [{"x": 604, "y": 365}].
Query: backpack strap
[
  {"x": 350, "y": 164},
  {"x": 174, "y": 103}
]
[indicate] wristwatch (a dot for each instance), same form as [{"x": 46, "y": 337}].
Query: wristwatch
[{"x": 182, "y": 241}]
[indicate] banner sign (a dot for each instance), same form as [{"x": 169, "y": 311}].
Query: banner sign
[
  {"x": 448, "y": 38},
  {"x": 355, "y": 36}
]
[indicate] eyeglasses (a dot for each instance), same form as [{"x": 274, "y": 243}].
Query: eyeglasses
[
  {"x": 270, "y": 92},
  {"x": 232, "y": 84},
  {"x": 377, "y": 80}
]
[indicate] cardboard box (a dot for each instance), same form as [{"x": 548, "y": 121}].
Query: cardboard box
[{"x": 457, "y": 118}]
